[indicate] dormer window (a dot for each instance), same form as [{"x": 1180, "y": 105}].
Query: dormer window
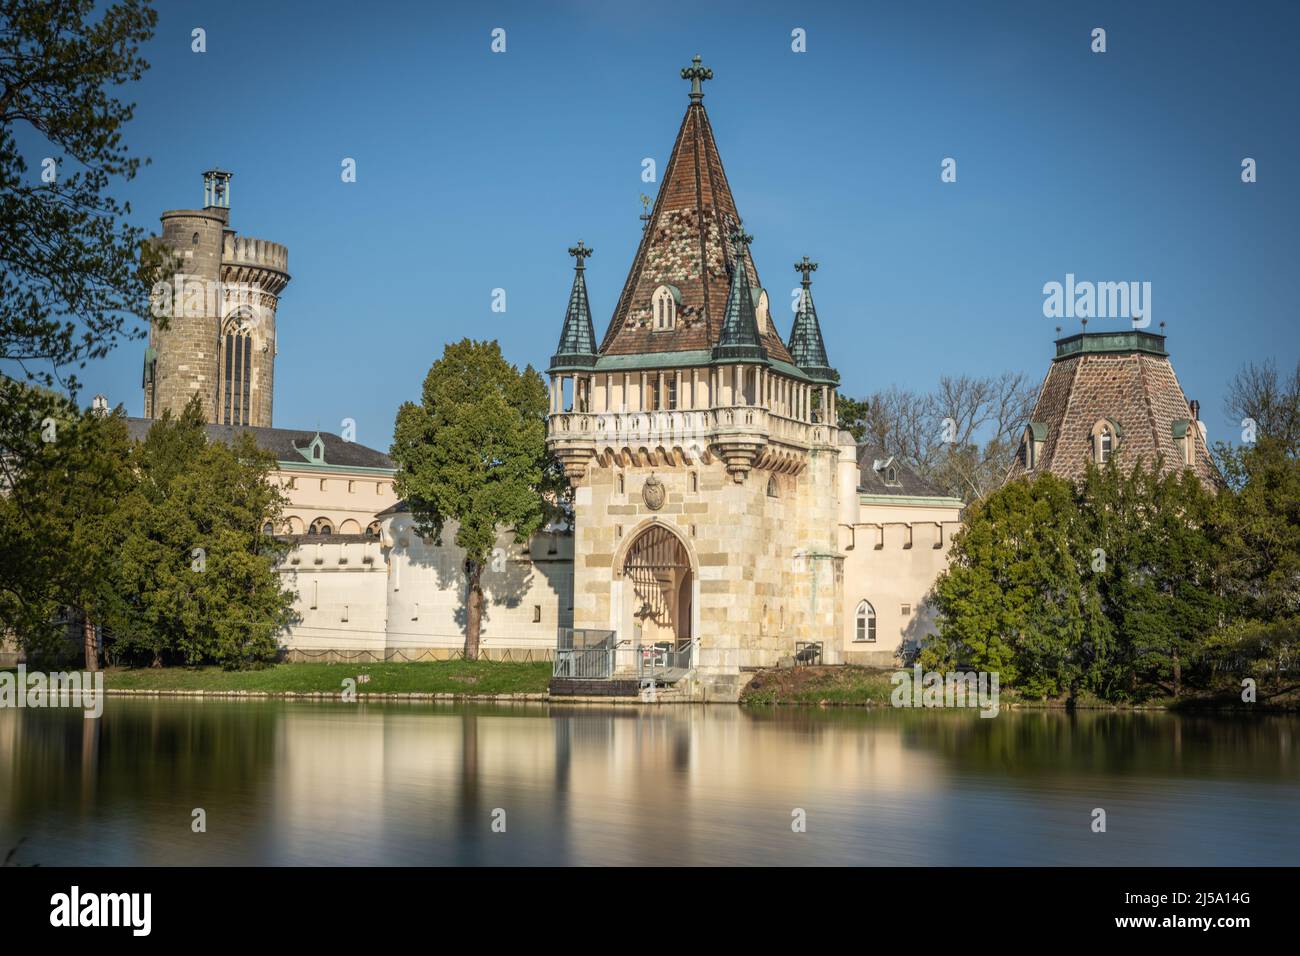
[
  {"x": 888, "y": 471},
  {"x": 1032, "y": 444},
  {"x": 761, "y": 311},
  {"x": 1105, "y": 439},
  {"x": 1184, "y": 440},
  {"x": 664, "y": 305}
]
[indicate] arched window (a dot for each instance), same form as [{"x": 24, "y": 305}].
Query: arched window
[
  {"x": 236, "y": 376},
  {"x": 665, "y": 309},
  {"x": 1105, "y": 439},
  {"x": 349, "y": 527},
  {"x": 194, "y": 239},
  {"x": 866, "y": 623},
  {"x": 268, "y": 529},
  {"x": 321, "y": 526},
  {"x": 372, "y": 530},
  {"x": 773, "y": 490}
]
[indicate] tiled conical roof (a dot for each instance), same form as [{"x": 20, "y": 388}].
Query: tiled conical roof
[
  {"x": 1125, "y": 380},
  {"x": 684, "y": 245},
  {"x": 577, "y": 348},
  {"x": 806, "y": 345}
]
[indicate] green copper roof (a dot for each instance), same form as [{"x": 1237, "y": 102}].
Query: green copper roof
[
  {"x": 739, "y": 338},
  {"x": 806, "y": 345},
  {"x": 577, "y": 348},
  {"x": 1130, "y": 340}
]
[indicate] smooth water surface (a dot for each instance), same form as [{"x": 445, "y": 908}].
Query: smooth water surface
[{"x": 304, "y": 783}]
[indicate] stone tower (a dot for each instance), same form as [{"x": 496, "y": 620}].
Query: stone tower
[
  {"x": 706, "y": 462},
  {"x": 1112, "y": 395},
  {"x": 213, "y": 333}
]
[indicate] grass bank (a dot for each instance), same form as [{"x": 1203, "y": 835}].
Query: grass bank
[
  {"x": 422, "y": 677},
  {"x": 843, "y": 684}
]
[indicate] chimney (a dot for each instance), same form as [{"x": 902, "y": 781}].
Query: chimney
[{"x": 1195, "y": 406}]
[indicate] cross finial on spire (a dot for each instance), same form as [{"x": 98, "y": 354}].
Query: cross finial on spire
[
  {"x": 696, "y": 73},
  {"x": 740, "y": 239},
  {"x": 580, "y": 252},
  {"x": 807, "y": 266}
]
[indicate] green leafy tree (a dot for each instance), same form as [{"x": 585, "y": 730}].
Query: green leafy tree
[
  {"x": 197, "y": 568},
  {"x": 1016, "y": 597},
  {"x": 473, "y": 452},
  {"x": 70, "y": 264},
  {"x": 60, "y": 533}
]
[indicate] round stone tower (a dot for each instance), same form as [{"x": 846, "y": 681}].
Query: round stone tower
[{"x": 218, "y": 339}]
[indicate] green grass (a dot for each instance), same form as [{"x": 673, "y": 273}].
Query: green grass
[
  {"x": 831, "y": 685},
  {"x": 424, "y": 677}
]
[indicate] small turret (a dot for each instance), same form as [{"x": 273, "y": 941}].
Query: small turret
[
  {"x": 739, "y": 340},
  {"x": 577, "y": 348},
  {"x": 806, "y": 345}
]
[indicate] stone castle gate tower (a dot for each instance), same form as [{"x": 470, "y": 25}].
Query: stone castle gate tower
[
  {"x": 218, "y": 340},
  {"x": 710, "y": 479}
]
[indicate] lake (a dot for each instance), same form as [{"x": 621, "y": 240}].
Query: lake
[{"x": 290, "y": 782}]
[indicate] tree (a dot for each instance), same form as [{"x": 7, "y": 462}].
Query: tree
[
  {"x": 473, "y": 451},
  {"x": 962, "y": 437},
  {"x": 1017, "y": 598},
  {"x": 70, "y": 265},
  {"x": 1259, "y": 393},
  {"x": 59, "y": 530},
  {"x": 197, "y": 571}
]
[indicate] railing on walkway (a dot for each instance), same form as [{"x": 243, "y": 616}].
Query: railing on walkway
[
  {"x": 660, "y": 659},
  {"x": 584, "y": 654}
]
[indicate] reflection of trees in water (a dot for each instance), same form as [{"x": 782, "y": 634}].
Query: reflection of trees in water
[
  {"x": 174, "y": 750},
  {"x": 1032, "y": 741}
]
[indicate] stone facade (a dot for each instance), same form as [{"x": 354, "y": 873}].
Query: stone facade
[
  {"x": 719, "y": 511},
  {"x": 218, "y": 338}
]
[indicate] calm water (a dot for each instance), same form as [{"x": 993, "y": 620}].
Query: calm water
[{"x": 300, "y": 783}]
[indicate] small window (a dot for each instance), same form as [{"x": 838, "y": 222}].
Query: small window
[
  {"x": 866, "y": 624},
  {"x": 672, "y": 391},
  {"x": 695, "y": 481},
  {"x": 1105, "y": 438},
  {"x": 194, "y": 239},
  {"x": 773, "y": 490},
  {"x": 321, "y": 526},
  {"x": 537, "y": 614},
  {"x": 323, "y": 485},
  {"x": 620, "y": 484},
  {"x": 905, "y": 610},
  {"x": 372, "y": 530},
  {"x": 891, "y": 475},
  {"x": 268, "y": 529}
]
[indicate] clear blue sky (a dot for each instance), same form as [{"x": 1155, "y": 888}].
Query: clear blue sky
[{"x": 478, "y": 170}]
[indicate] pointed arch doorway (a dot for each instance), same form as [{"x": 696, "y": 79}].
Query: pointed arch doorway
[{"x": 658, "y": 593}]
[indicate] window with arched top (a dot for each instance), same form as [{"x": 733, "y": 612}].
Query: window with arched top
[
  {"x": 773, "y": 489},
  {"x": 321, "y": 526},
  {"x": 236, "y": 375},
  {"x": 372, "y": 530},
  {"x": 664, "y": 305},
  {"x": 1105, "y": 439},
  {"x": 866, "y": 624},
  {"x": 268, "y": 528}
]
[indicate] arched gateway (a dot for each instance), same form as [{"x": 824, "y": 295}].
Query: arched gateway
[{"x": 657, "y": 597}]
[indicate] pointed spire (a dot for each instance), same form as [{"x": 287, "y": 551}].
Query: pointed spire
[
  {"x": 806, "y": 345},
  {"x": 739, "y": 337},
  {"x": 577, "y": 347}
]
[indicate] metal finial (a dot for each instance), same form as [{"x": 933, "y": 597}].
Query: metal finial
[
  {"x": 807, "y": 266},
  {"x": 696, "y": 73},
  {"x": 580, "y": 252},
  {"x": 645, "y": 208},
  {"x": 740, "y": 239}
]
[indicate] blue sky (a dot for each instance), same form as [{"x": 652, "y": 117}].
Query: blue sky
[{"x": 478, "y": 170}]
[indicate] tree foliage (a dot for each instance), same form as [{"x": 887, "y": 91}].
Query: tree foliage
[
  {"x": 71, "y": 266},
  {"x": 473, "y": 452}
]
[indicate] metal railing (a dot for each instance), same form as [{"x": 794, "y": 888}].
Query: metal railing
[
  {"x": 584, "y": 654},
  {"x": 655, "y": 659}
]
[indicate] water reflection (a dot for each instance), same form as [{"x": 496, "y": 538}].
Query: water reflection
[{"x": 298, "y": 783}]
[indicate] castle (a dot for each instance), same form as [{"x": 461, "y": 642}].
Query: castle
[{"x": 722, "y": 520}]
